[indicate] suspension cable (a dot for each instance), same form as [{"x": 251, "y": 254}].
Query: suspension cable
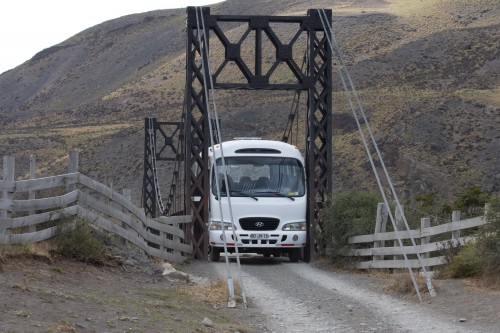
[
  {"x": 205, "y": 57},
  {"x": 152, "y": 144},
  {"x": 334, "y": 46},
  {"x": 288, "y": 133}
]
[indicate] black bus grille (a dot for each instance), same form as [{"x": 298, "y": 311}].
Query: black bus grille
[{"x": 259, "y": 223}]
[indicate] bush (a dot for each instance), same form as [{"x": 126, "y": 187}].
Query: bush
[
  {"x": 346, "y": 215},
  {"x": 468, "y": 262},
  {"x": 75, "y": 240},
  {"x": 481, "y": 257},
  {"x": 489, "y": 238},
  {"x": 471, "y": 201}
]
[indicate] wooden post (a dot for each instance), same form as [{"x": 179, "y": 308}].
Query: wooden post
[
  {"x": 380, "y": 227},
  {"x": 7, "y": 197},
  {"x": 32, "y": 193},
  {"x": 73, "y": 160},
  {"x": 425, "y": 237},
  {"x": 127, "y": 193},
  {"x": 400, "y": 226},
  {"x": 455, "y": 218},
  {"x": 73, "y": 166},
  {"x": 487, "y": 207}
]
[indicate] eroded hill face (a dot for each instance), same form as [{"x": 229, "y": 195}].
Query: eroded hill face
[{"x": 426, "y": 71}]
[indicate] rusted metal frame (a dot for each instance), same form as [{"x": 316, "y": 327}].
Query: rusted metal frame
[
  {"x": 168, "y": 139},
  {"x": 197, "y": 137},
  {"x": 258, "y": 80},
  {"x": 149, "y": 200}
]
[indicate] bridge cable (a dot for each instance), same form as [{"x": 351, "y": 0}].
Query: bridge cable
[
  {"x": 205, "y": 59},
  {"x": 288, "y": 132},
  {"x": 152, "y": 145},
  {"x": 351, "y": 90}
]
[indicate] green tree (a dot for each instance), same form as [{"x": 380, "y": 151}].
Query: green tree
[
  {"x": 489, "y": 238},
  {"x": 471, "y": 201},
  {"x": 346, "y": 215}
]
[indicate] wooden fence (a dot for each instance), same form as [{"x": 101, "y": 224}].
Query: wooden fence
[
  {"x": 380, "y": 254},
  {"x": 25, "y": 219}
]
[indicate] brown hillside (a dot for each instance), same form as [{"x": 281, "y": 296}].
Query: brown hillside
[{"x": 427, "y": 73}]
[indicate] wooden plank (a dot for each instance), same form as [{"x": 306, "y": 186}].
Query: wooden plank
[
  {"x": 412, "y": 263},
  {"x": 175, "y": 257},
  {"x": 386, "y": 236},
  {"x": 120, "y": 215},
  {"x": 33, "y": 220},
  {"x": 126, "y": 234},
  {"x": 168, "y": 243},
  {"x": 432, "y": 231},
  {"x": 107, "y": 225},
  {"x": 46, "y": 203},
  {"x": 423, "y": 248},
  {"x": 173, "y": 230},
  {"x": 112, "y": 212},
  {"x": 455, "y": 225},
  {"x": 109, "y": 193},
  {"x": 39, "y": 183},
  {"x": 174, "y": 219},
  {"x": 33, "y": 237}
]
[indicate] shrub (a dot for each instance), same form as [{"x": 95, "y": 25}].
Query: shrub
[
  {"x": 481, "y": 257},
  {"x": 468, "y": 262},
  {"x": 471, "y": 201},
  {"x": 489, "y": 238},
  {"x": 346, "y": 215},
  {"x": 75, "y": 240}
]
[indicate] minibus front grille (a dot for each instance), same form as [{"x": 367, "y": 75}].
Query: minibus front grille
[{"x": 259, "y": 223}]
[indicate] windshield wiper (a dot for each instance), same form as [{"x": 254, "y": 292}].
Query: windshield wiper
[
  {"x": 245, "y": 194},
  {"x": 278, "y": 194}
]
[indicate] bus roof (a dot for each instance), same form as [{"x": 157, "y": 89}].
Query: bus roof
[{"x": 258, "y": 147}]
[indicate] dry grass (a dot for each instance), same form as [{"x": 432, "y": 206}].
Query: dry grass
[
  {"x": 402, "y": 284},
  {"x": 217, "y": 292},
  {"x": 486, "y": 96},
  {"x": 486, "y": 282}
]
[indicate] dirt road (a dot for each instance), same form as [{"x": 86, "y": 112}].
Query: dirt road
[
  {"x": 297, "y": 297},
  {"x": 40, "y": 294}
]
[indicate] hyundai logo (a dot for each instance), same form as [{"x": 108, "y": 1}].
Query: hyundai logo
[{"x": 259, "y": 224}]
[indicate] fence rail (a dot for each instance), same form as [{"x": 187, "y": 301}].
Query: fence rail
[
  {"x": 380, "y": 255},
  {"x": 24, "y": 221}
]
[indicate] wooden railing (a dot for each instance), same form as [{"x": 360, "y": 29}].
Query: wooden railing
[
  {"x": 23, "y": 218},
  {"x": 378, "y": 254}
]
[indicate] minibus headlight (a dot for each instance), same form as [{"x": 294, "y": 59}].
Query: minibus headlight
[
  {"x": 215, "y": 225},
  {"x": 295, "y": 226}
]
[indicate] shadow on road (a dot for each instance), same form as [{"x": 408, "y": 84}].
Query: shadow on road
[{"x": 250, "y": 259}]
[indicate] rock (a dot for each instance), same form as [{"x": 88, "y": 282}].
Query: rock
[
  {"x": 207, "y": 322},
  {"x": 462, "y": 320}
]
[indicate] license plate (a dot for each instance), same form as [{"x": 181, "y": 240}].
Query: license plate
[{"x": 259, "y": 236}]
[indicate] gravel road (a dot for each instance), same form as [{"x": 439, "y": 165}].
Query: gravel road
[{"x": 297, "y": 297}]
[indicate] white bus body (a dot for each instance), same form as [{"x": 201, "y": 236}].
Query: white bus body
[{"x": 267, "y": 191}]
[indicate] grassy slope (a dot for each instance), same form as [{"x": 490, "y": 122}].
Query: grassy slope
[{"x": 425, "y": 70}]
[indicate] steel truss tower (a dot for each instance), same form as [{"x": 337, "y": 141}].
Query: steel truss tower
[{"x": 315, "y": 79}]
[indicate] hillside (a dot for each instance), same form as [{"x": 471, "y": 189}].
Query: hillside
[{"x": 427, "y": 73}]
